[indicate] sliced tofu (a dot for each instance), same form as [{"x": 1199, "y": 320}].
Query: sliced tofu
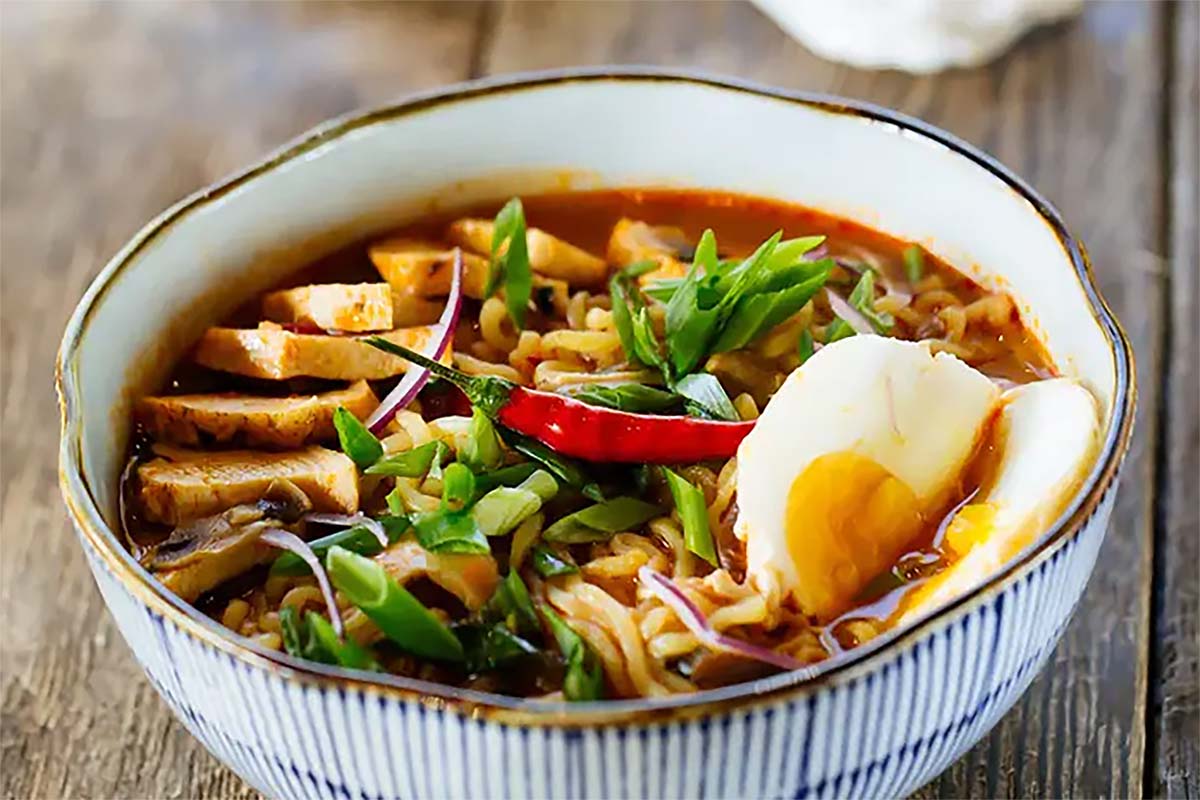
[
  {"x": 420, "y": 268},
  {"x": 548, "y": 254},
  {"x": 182, "y": 485},
  {"x": 273, "y": 353},
  {"x": 632, "y": 241},
  {"x": 279, "y": 421},
  {"x": 333, "y": 306}
]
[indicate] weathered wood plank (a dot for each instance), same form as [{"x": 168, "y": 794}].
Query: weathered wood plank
[
  {"x": 1064, "y": 101},
  {"x": 1175, "y": 771},
  {"x": 110, "y": 113}
]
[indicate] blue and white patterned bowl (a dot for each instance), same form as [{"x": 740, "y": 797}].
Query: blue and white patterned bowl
[{"x": 880, "y": 721}]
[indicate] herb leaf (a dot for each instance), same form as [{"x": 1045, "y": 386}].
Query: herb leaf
[
  {"x": 481, "y": 451},
  {"x": 356, "y": 441},
  {"x": 806, "y": 347},
  {"x": 564, "y": 469},
  {"x": 550, "y": 564},
  {"x": 689, "y": 502},
  {"x": 488, "y": 647},
  {"x": 510, "y": 604},
  {"x": 600, "y": 521},
  {"x": 706, "y": 397},
  {"x": 633, "y": 397},
  {"x": 511, "y": 266},
  {"x": 914, "y": 263},
  {"x": 400, "y": 616},
  {"x": 584, "y": 679},
  {"x": 412, "y": 463}
]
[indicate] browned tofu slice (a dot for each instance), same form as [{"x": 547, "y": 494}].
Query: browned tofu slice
[
  {"x": 419, "y": 268},
  {"x": 273, "y": 353},
  {"x": 182, "y": 485},
  {"x": 333, "y": 306},
  {"x": 632, "y": 241},
  {"x": 548, "y": 254},
  {"x": 279, "y": 421}
]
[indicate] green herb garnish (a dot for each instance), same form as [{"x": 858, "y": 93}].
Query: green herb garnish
[
  {"x": 564, "y": 469},
  {"x": 633, "y": 397},
  {"x": 481, "y": 451},
  {"x": 550, "y": 564},
  {"x": 806, "y": 347},
  {"x": 914, "y": 263},
  {"x": 584, "y": 679},
  {"x": 399, "y": 615},
  {"x": 357, "y": 442},
  {"x": 504, "y": 508},
  {"x": 315, "y": 640},
  {"x": 510, "y": 261},
  {"x": 357, "y": 540},
  {"x": 706, "y": 397},
  {"x": 599, "y": 522},
  {"x": 412, "y": 463},
  {"x": 693, "y": 514}
]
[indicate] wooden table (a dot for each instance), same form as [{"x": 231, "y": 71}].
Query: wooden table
[{"x": 111, "y": 112}]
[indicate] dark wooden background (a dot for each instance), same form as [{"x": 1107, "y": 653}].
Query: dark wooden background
[{"x": 110, "y": 112}]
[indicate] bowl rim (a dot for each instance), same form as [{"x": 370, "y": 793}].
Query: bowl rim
[{"x": 864, "y": 659}]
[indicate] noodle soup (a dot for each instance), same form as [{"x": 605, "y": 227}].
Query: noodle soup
[{"x": 603, "y": 445}]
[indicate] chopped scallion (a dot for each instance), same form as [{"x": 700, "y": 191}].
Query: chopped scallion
[
  {"x": 693, "y": 514},
  {"x": 356, "y": 441}
]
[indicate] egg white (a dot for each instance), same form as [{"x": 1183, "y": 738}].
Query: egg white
[{"x": 917, "y": 415}]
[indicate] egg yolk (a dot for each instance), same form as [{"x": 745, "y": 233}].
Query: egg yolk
[
  {"x": 848, "y": 519},
  {"x": 970, "y": 526}
]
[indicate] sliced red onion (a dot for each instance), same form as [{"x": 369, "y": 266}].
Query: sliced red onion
[
  {"x": 852, "y": 316},
  {"x": 285, "y": 540},
  {"x": 901, "y": 291},
  {"x": 416, "y": 377},
  {"x": 817, "y": 253},
  {"x": 693, "y": 618},
  {"x": 351, "y": 521}
]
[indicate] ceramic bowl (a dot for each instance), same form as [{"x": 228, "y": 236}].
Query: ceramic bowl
[{"x": 879, "y": 722}]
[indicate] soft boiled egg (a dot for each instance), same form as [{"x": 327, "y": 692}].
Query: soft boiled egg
[
  {"x": 854, "y": 453},
  {"x": 865, "y": 448},
  {"x": 1045, "y": 436}
]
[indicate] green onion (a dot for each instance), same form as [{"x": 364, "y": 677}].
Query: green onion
[
  {"x": 662, "y": 289},
  {"x": 838, "y": 329},
  {"x": 289, "y": 631},
  {"x": 550, "y": 564},
  {"x": 505, "y": 476},
  {"x": 458, "y": 487},
  {"x": 914, "y": 263},
  {"x": 315, "y": 640},
  {"x": 398, "y": 614},
  {"x": 599, "y": 522},
  {"x": 706, "y": 397},
  {"x": 481, "y": 451},
  {"x": 446, "y": 531},
  {"x": 411, "y": 463},
  {"x": 623, "y": 318},
  {"x": 780, "y": 296},
  {"x": 806, "y": 346},
  {"x": 584, "y": 678},
  {"x": 646, "y": 343},
  {"x": 633, "y": 397},
  {"x": 863, "y": 299},
  {"x": 488, "y": 647},
  {"x": 561, "y": 467},
  {"x": 511, "y": 266},
  {"x": 357, "y": 540},
  {"x": 693, "y": 514},
  {"x": 504, "y": 508},
  {"x": 638, "y": 268},
  {"x": 356, "y": 441},
  {"x": 511, "y": 604}
]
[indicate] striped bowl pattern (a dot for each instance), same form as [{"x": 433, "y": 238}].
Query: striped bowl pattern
[{"x": 882, "y": 733}]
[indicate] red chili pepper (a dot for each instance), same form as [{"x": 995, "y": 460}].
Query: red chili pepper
[
  {"x": 574, "y": 428},
  {"x": 594, "y": 433}
]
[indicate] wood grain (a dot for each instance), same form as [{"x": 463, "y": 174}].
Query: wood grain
[
  {"x": 109, "y": 112},
  {"x": 1175, "y": 709}
]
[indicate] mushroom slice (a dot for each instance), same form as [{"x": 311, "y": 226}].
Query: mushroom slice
[
  {"x": 472, "y": 578},
  {"x": 201, "y": 555}
]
